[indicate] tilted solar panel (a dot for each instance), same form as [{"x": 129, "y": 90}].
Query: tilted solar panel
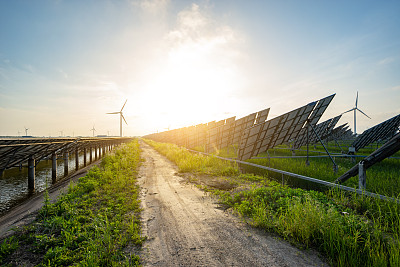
[
  {"x": 281, "y": 129},
  {"x": 378, "y": 132}
]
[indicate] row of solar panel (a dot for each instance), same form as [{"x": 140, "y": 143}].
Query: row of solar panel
[
  {"x": 255, "y": 134},
  {"x": 16, "y": 151}
]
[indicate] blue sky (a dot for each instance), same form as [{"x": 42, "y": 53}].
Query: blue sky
[{"x": 64, "y": 64}]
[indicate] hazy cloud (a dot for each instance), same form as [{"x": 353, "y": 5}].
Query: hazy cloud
[
  {"x": 153, "y": 7},
  {"x": 386, "y": 61}
]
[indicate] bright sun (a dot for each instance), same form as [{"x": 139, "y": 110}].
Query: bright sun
[{"x": 192, "y": 88}]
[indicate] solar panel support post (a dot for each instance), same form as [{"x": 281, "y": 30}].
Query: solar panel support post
[
  {"x": 90, "y": 155},
  {"x": 95, "y": 152},
  {"x": 31, "y": 173},
  {"x": 76, "y": 159},
  {"x": 53, "y": 167},
  {"x": 65, "y": 156},
  {"x": 99, "y": 151},
  {"x": 362, "y": 176},
  {"x": 308, "y": 130},
  {"x": 84, "y": 157},
  {"x": 341, "y": 149},
  {"x": 335, "y": 167}
]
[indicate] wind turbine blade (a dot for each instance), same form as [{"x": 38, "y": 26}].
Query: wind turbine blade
[
  {"x": 356, "y": 99},
  {"x": 113, "y": 113},
  {"x": 348, "y": 111},
  {"x": 124, "y": 118},
  {"x": 123, "y": 105},
  {"x": 364, "y": 113}
]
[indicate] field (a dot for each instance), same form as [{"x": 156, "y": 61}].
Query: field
[
  {"x": 349, "y": 229},
  {"x": 382, "y": 178}
]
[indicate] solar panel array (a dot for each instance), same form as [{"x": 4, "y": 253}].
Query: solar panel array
[
  {"x": 17, "y": 151},
  {"x": 268, "y": 134},
  {"x": 212, "y": 135},
  {"x": 253, "y": 133},
  {"x": 323, "y": 129},
  {"x": 381, "y": 131},
  {"x": 341, "y": 132}
]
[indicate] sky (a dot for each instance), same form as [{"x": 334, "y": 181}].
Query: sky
[{"x": 65, "y": 64}]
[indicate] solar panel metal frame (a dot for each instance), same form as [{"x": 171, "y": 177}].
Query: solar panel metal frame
[
  {"x": 14, "y": 152},
  {"x": 378, "y": 132},
  {"x": 281, "y": 129},
  {"x": 323, "y": 130},
  {"x": 215, "y": 135}
]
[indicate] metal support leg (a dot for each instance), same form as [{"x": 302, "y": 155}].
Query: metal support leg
[
  {"x": 84, "y": 157},
  {"x": 54, "y": 167},
  {"x": 362, "y": 176},
  {"x": 31, "y": 173},
  {"x": 307, "y": 160},
  {"x": 95, "y": 153},
  {"x": 76, "y": 159},
  {"x": 65, "y": 156},
  {"x": 90, "y": 155}
]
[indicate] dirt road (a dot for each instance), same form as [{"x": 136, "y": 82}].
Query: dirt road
[{"x": 186, "y": 228}]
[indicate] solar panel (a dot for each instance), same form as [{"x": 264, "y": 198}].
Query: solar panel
[
  {"x": 215, "y": 134},
  {"x": 331, "y": 126},
  {"x": 378, "y": 132},
  {"x": 262, "y": 116},
  {"x": 17, "y": 151},
  {"x": 341, "y": 132},
  {"x": 240, "y": 125},
  {"x": 227, "y": 133},
  {"x": 323, "y": 130},
  {"x": 281, "y": 129}
]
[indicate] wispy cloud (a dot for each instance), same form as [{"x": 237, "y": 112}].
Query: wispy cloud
[
  {"x": 153, "y": 7},
  {"x": 386, "y": 61},
  {"x": 395, "y": 88},
  {"x": 63, "y": 73}
]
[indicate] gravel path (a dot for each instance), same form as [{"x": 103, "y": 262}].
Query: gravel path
[{"x": 186, "y": 228}]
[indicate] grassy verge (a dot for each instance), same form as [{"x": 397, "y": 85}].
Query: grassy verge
[
  {"x": 96, "y": 223},
  {"x": 350, "y": 230}
]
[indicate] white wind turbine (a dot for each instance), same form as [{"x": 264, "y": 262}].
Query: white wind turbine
[
  {"x": 26, "y": 131},
  {"x": 120, "y": 118},
  {"x": 93, "y": 129},
  {"x": 355, "y": 109}
]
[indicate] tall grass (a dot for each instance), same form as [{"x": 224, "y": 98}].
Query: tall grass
[
  {"x": 95, "y": 224},
  {"x": 190, "y": 162},
  {"x": 349, "y": 229}
]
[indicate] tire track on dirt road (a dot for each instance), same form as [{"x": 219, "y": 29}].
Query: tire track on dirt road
[{"x": 186, "y": 228}]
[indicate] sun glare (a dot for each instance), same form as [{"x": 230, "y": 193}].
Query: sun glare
[{"x": 192, "y": 87}]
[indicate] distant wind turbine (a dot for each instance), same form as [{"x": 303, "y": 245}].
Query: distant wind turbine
[
  {"x": 355, "y": 109},
  {"x": 62, "y": 134},
  {"x": 93, "y": 129},
  {"x": 26, "y": 131},
  {"x": 120, "y": 118}
]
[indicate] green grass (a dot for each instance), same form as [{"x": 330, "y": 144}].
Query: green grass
[
  {"x": 382, "y": 178},
  {"x": 96, "y": 223},
  {"x": 349, "y": 229},
  {"x": 197, "y": 163}
]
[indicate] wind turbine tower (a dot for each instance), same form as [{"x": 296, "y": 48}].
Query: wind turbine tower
[
  {"x": 121, "y": 116},
  {"x": 355, "y": 109},
  {"x": 93, "y": 129},
  {"x": 26, "y": 131}
]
